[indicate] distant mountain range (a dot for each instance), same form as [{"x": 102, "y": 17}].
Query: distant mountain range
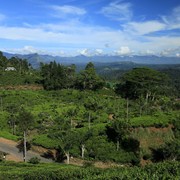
[{"x": 35, "y": 59}]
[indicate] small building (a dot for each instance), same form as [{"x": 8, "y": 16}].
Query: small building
[{"x": 10, "y": 69}]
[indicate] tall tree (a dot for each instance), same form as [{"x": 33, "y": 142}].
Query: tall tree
[
  {"x": 71, "y": 75},
  {"x": 83, "y": 136},
  {"x": 91, "y": 105},
  {"x": 71, "y": 113},
  {"x": 65, "y": 140},
  {"x": 142, "y": 82},
  {"x": 12, "y": 119},
  {"x": 117, "y": 131},
  {"x": 25, "y": 121},
  {"x": 88, "y": 79},
  {"x": 54, "y": 76},
  {"x": 3, "y": 61}
]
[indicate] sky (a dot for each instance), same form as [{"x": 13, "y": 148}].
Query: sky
[{"x": 90, "y": 27}]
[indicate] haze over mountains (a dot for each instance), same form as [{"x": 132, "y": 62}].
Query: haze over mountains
[{"x": 35, "y": 59}]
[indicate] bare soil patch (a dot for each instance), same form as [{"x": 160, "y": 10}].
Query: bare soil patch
[
  {"x": 7, "y": 141},
  {"x": 22, "y": 87}
]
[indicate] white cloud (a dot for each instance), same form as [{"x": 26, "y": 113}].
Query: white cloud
[
  {"x": 98, "y": 52},
  {"x": 176, "y": 14},
  {"x": 72, "y": 35},
  {"x": 170, "y": 52},
  {"x": 177, "y": 54},
  {"x": 24, "y": 50},
  {"x": 173, "y": 20},
  {"x": 84, "y": 52},
  {"x": 31, "y": 50},
  {"x": 118, "y": 10},
  {"x": 142, "y": 28},
  {"x": 31, "y": 34},
  {"x": 64, "y": 11},
  {"x": 150, "y": 52},
  {"x": 90, "y": 52},
  {"x": 147, "y": 52},
  {"x": 76, "y": 36},
  {"x": 124, "y": 50}
]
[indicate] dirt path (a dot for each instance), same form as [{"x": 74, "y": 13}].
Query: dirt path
[{"x": 9, "y": 147}]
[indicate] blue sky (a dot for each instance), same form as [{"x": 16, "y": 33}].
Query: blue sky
[{"x": 94, "y": 27}]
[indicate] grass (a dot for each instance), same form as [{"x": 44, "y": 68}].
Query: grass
[
  {"x": 8, "y": 135},
  {"x": 151, "y": 137}
]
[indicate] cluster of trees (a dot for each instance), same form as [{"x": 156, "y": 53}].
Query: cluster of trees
[
  {"x": 112, "y": 142},
  {"x": 56, "y": 76},
  {"x": 140, "y": 84},
  {"x": 108, "y": 142},
  {"x": 21, "y": 65},
  {"x": 143, "y": 82},
  {"x": 174, "y": 75}
]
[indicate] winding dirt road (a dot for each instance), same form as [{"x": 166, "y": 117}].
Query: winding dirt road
[{"x": 9, "y": 146}]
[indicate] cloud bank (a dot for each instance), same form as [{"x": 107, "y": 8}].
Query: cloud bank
[{"x": 72, "y": 32}]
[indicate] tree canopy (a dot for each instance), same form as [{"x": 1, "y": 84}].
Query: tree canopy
[
  {"x": 88, "y": 79},
  {"x": 56, "y": 76},
  {"x": 142, "y": 82}
]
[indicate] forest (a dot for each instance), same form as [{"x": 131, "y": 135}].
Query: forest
[{"x": 129, "y": 118}]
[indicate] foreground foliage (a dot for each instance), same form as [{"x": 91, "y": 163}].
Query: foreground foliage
[
  {"x": 166, "y": 170},
  {"x": 81, "y": 116},
  {"x": 84, "y": 117}
]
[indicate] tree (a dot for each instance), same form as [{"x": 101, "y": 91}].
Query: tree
[
  {"x": 54, "y": 76},
  {"x": 66, "y": 140},
  {"x": 25, "y": 121},
  {"x": 142, "y": 82},
  {"x": 88, "y": 79},
  {"x": 83, "y": 136},
  {"x": 3, "y": 61},
  {"x": 117, "y": 131},
  {"x": 168, "y": 151},
  {"x": 21, "y": 65},
  {"x": 71, "y": 113},
  {"x": 71, "y": 75},
  {"x": 91, "y": 105},
  {"x": 12, "y": 119}
]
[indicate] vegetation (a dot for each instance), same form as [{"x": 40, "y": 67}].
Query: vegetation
[
  {"x": 56, "y": 76},
  {"x": 25, "y": 121},
  {"x": 142, "y": 82},
  {"x": 132, "y": 121},
  {"x": 166, "y": 170}
]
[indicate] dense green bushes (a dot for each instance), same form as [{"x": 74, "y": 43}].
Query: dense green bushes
[
  {"x": 166, "y": 170},
  {"x": 69, "y": 110},
  {"x": 92, "y": 123}
]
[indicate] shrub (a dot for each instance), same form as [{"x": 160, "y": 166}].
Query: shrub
[
  {"x": 87, "y": 164},
  {"x": 146, "y": 156},
  {"x": 34, "y": 160}
]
